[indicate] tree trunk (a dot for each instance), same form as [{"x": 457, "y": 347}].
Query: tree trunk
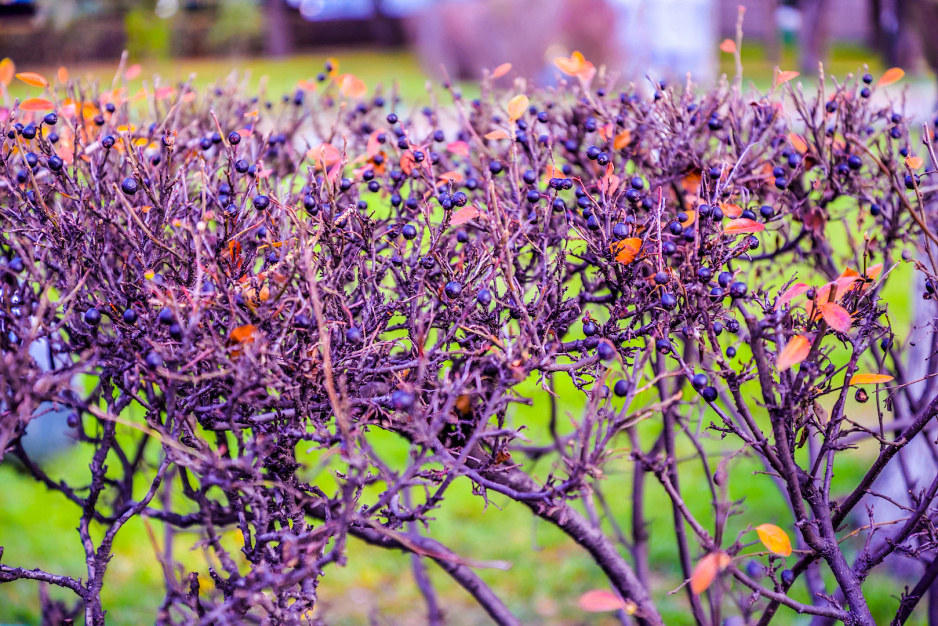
[
  {"x": 815, "y": 34},
  {"x": 279, "y": 37}
]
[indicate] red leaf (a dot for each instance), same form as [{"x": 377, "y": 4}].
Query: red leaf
[
  {"x": 458, "y": 147},
  {"x": 728, "y": 46},
  {"x": 836, "y": 316},
  {"x": 463, "y": 215},
  {"x": 791, "y": 293},
  {"x": 743, "y": 225},
  {"x": 602, "y": 600},
  {"x": 501, "y": 70}
]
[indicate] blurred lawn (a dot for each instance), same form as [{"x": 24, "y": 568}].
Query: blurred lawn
[{"x": 548, "y": 572}]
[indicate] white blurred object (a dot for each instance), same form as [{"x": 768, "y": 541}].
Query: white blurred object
[{"x": 667, "y": 38}]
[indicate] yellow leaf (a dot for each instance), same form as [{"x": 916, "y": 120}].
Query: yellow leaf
[
  {"x": 626, "y": 250},
  {"x": 775, "y": 539},
  {"x": 622, "y": 140},
  {"x": 7, "y": 69},
  {"x": 914, "y": 162},
  {"x": 869, "y": 379},
  {"x": 728, "y": 46},
  {"x": 34, "y": 79},
  {"x": 891, "y": 76},
  {"x": 517, "y": 106},
  {"x": 795, "y": 352},
  {"x": 707, "y": 569},
  {"x": 501, "y": 70},
  {"x": 496, "y": 134}
]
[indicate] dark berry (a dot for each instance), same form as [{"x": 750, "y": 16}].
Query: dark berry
[
  {"x": 92, "y": 317},
  {"x": 453, "y": 289},
  {"x": 261, "y": 202},
  {"x": 402, "y": 400},
  {"x": 709, "y": 394},
  {"x": 409, "y": 231},
  {"x": 738, "y": 290},
  {"x": 354, "y": 335},
  {"x": 788, "y": 577},
  {"x": 590, "y": 329},
  {"x": 130, "y": 316},
  {"x": 699, "y": 381},
  {"x": 663, "y": 346},
  {"x": 605, "y": 350},
  {"x": 154, "y": 361},
  {"x": 166, "y": 316},
  {"x": 129, "y": 186},
  {"x": 621, "y": 388},
  {"x": 234, "y": 138},
  {"x": 484, "y": 297}
]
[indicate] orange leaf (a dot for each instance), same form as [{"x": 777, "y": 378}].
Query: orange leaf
[
  {"x": 34, "y": 79},
  {"x": 914, "y": 162},
  {"x": 783, "y": 77},
  {"x": 728, "y": 46},
  {"x": 836, "y": 316},
  {"x": 622, "y": 140},
  {"x": 603, "y": 600},
  {"x": 576, "y": 65},
  {"x": 517, "y": 106},
  {"x": 707, "y": 569},
  {"x": 463, "y": 215},
  {"x": 797, "y": 143},
  {"x": 626, "y": 250},
  {"x": 243, "y": 334},
  {"x": 458, "y": 147},
  {"x": 742, "y": 225},
  {"x": 501, "y": 70},
  {"x": 867, "y": 379},
  {"x": 133, "y": 71},
  {"x": 36, "y": 104},
  {"x": 7, "y": 69},
  {"x": 892, "y": 75},
  {"x": 453, "y": 175},
  {"x": 353, "y": 87},
  {"x": 775, "y": 539},
  {"x": 324, "y": 152},
  {"x": 496, "y": 135},
  {"x": 731, "y": 210},
  {"x": 791, "y": 293},
  {"x": 795, "y": 352},
  {"x": 873, "y": 271},
  {"x": 408, "y": 162},
  {"x": 62, "y": 74},
  {"x": 691, "y": 216}
]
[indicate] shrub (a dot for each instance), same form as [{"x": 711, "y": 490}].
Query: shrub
[{"x": 240, "y": 290}]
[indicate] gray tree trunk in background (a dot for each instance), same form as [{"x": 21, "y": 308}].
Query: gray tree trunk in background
[
  {"x": 815, "y": 34},
  {"x": 279, "y": 37}
]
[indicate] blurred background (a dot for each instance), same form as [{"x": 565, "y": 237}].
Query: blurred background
[
  {"x": 404, "y": 42},
  {"x": 660, "y": 38}
]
